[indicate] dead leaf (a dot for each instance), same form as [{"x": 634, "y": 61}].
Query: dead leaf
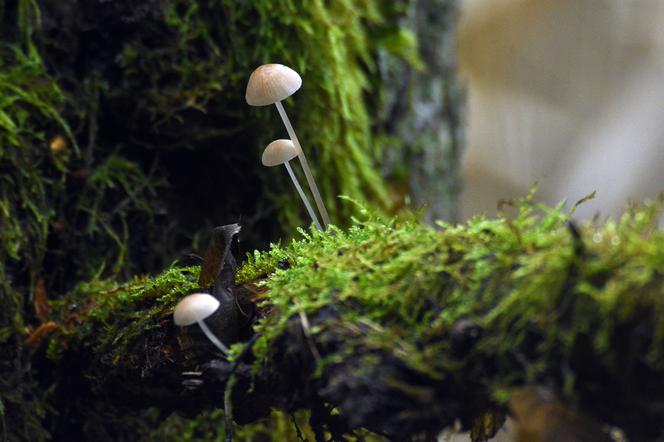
[
  {"x": 38, "y": 336},
  {"x": 41, "y": 301}
]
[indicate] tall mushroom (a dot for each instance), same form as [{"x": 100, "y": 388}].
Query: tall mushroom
[
  {"x": 281, "y": 152},
  {"x": 195, "y": 308},
  {"x": 269, "y": 84}
]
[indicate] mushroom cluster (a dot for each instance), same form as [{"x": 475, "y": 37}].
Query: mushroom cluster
[{"x": 270, "y": 84}]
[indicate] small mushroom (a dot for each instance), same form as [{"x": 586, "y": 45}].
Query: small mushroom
[
  {"x": 195, "y": 308},
  {"x": 281, "y": 152},
  {"x": 269, "y": 84}
]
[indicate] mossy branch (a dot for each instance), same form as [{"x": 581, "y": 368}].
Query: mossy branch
[{"x": 402, "y": 328}]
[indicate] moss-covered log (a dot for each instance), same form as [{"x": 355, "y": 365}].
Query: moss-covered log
[{"x": 394, "y": 327}]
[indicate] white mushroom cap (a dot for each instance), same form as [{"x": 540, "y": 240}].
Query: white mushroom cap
[
  {"x": 278, "y": 152},
  {"x": 194, "y": 308},
  {"x": 271, "y": 83}
]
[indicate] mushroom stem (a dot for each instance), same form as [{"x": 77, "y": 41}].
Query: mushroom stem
[
  {"x": 305, "y": 200},
  {"x": 305, "y": 164},
  {"x": 213, "y": 338}
]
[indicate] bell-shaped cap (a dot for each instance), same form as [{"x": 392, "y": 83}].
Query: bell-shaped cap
[
  {"x": 278, "y": 152},
  {"x": 194, "y": 308},
  {"x": 271, "y": 83}
]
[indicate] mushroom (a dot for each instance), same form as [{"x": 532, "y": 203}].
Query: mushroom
[
  {"x": 269, "y": 84},
  {"x": 195, "y": 308},
  {"x": 281, "y": 152}
]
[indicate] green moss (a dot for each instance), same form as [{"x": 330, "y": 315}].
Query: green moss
[
  {"x": 79, "y": 202},
  {"x": 529, "y": 282},
  {"x": 29, "y": 102},
  {"x": 29, "y": 108},
  {"x": 116, "y": 319}
]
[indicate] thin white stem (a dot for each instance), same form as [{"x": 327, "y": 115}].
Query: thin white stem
[
  {"x": 213, "y": 338},
  {"x": 305, "y": 200},
  {"x": 305, "y": 165}
]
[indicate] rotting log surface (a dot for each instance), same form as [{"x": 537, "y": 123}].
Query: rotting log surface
[{"x": 402, "y": 328}]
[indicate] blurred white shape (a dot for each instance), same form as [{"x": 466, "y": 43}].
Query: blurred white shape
[{"x": 568, "y": 93}]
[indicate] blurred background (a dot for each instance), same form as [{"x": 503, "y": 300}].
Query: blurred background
[{"x": 567, "y": 94}]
